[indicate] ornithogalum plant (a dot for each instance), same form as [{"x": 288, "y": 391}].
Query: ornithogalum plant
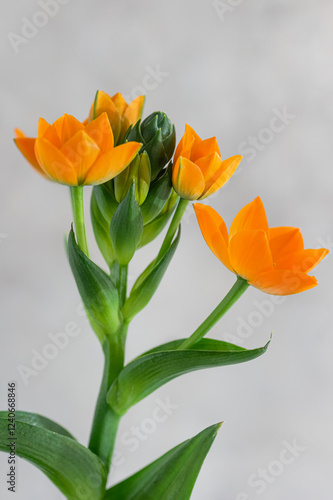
[{"x": 142, "y": 184}]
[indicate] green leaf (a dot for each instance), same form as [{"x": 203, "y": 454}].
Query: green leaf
[
  {"x": 75, "y": 470},
  {"x": 204, "y": 344},
  {"x": 150, "y": 371},
  {"x": 126, "y": 228},
  {"x": 101, "y": 231},
  {"x": 105, "y": 199},
  {"x": 171, "y": 477},
  {"x": 98, "y": 292},
  {"x": 39, "y": 421},
  {"x": 158, "y": 195},
  {"x": 156, "y": 226},
  {"x": 147, "y": 283}
]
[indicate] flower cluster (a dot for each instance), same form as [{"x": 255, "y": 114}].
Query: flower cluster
[{"x": 113, "y": 150}]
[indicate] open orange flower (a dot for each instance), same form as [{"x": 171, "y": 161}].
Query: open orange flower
[
  {"x": 121, "y": 115},
  {"x": 198, "y": 170},
  {"x": 72, "y": 153},
  {"x": 271, "y": 259}
]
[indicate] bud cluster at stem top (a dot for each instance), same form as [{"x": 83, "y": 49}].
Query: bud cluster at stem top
[{"x": 158, "y": 137}]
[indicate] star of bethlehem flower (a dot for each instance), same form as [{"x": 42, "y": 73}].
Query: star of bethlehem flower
[
  {"x": 198, "y": 170},
  {"x": 272, "y": 259},
  {"x": 73, "y": 153}
]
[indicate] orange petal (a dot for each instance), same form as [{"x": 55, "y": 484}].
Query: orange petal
[
  {"x": 284, "y": 282},
  {"x": 134, "y": 110},
  {"x": 52, "y": 133},
  {"x": 70, "y": 127},
  {"x": 221, "y": 177},
  {"x": 250, "y": 254},
  {"x": 27, "y": 147},
  {"x": 43, "y": 126},
  {"x": 58, "y": 124},
  {"x": 81, "y": 151},
  {"x": 303, "y": 260},
  {"x": 251, "y": 217},
  {"x": 103, "y": 103},
  {"x": 187, "y": 179},
  {"x": 214, "y": 231},
  {"x": 101, "y": 132},
  {"x": 119, "y": 102},
  {"x": 185, "y": 144},
  {"x": 285, "y": 240},
  {"x": 54, "y": 163},
  {"x": 112, "y": 163},
  {"x": 204, "y": 148},
  {"x": 209, "y": 165}
]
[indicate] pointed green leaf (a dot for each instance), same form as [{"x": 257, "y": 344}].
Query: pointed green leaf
[
  {"x": 171, "y": 477},
  {"x": 156, "y": 226},
  {"x": 158, "y": 195},
  {"x": 98, "y": 293},
  {"x": 148, "y": 282},
  {"x": 39, "y": 421},
  {"x": 149, "y": 372},
  {"x": 75, "y": 470},
  {"x": 101, "y": 231},
  {"x": 126, "y": 228}
]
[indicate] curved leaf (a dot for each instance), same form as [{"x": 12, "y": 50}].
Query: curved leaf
[
  {"x": 147, "y": 283},
  {"x": 74, "y": 469},
  {"x": 38, "y": 421},
  {"x": 171, "y": 477},
  {"x": 149, "y": 372}
]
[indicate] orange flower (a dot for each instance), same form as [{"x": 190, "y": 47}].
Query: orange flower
[
  {"x": 72, "y": 153},
  {"x": 121, "y": 115},
  {"x": 198, "y": 170},
  {"x": 271, "y": 259}
]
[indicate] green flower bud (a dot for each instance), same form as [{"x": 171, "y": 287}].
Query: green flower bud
[
  {"x": 139, "y": 172},
  {"x": 126, "y": 228},
  {"x": 158, "y": 136}
]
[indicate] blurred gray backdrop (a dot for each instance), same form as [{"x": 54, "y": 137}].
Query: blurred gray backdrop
[{"x": 258, "y": 75}]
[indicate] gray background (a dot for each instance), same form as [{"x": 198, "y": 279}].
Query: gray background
[{"x": 226, "y": 68}]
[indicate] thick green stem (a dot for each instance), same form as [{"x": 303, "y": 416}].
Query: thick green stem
[
  {"x": 229, "y": 300},
  {"x": 122, "y": 285},
  {"x": 177, "y": 217},
  {"x": 78, "y": 214},
  {"x": 106, "y": 421}
]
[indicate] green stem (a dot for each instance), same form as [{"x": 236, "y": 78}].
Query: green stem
[
  {"x": 177, "y": 217},
  {"x": 229, "y": 300},
  {"x": 78, "y": 214},
  {"x": 106, "y": 421},
  {"x": 122, "y": 285}
]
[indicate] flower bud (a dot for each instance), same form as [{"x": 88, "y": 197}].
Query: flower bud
[
  {"x": 126, "y": 228},
  {"x": 139, "y": 172},
  {"x": 158, "y": 136}
]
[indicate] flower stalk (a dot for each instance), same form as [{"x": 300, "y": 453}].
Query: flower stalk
[
  {"x": 176, "y": 220},
  {"x": 78, "y": 214},
  {"x": 106, "y": 421},
  {"x": 229, "y": 300}
]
